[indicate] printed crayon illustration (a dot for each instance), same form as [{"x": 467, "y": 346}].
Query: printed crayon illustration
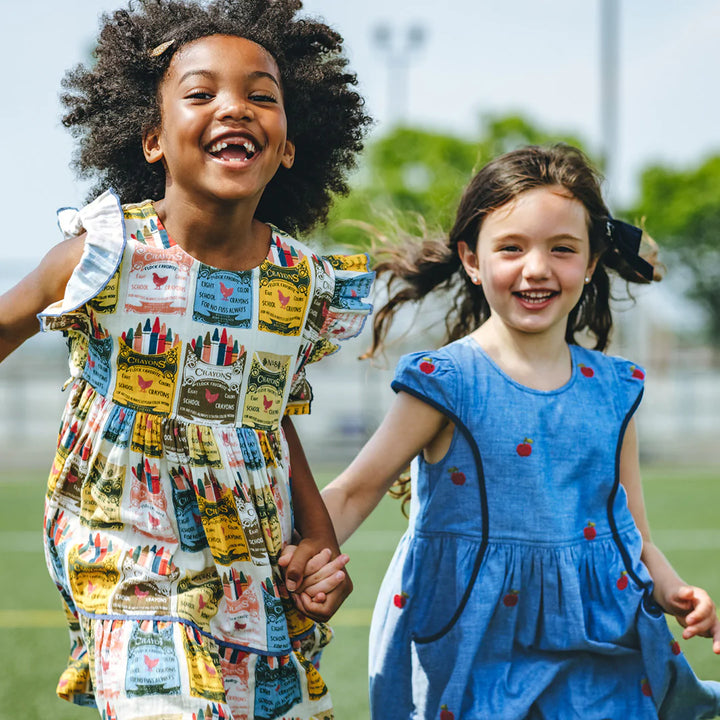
[
  {"x": 223, "y": 297},
  {"x": 265, "y": 390},
  {"x": 202, "y": 448},
  {"x": 119, "y": 426},
  {"x": 235, "y": 666},
  {"x": 57, "y": 532},
  {"x": 224, "y": 532},
  {"x": 210, "y": 392},
  {"x": 93, "y": 572},
  {"x": 145, "y": 586},
  {"x": 203, "y": 667},
  {"x": 284, "y": 253},
  {"x": 220, "y": 348},
  {"x": 187, "y": 512},
  {"x": 275, "y": 625},
  {"x": 277, "y": 686},
  {"x": 152, "y": 665},
  {"x": 269, "y": 521},
  {"x": 64, "y": 482},
  {"x": 198, "y": 596},
  {"x": 250, "y": 522},
  {"x": 250, "y": 448},
  {"x": 315, "y": 684},
  {"x": 97, "y": 366},
  {"x": 322, "y": 297},
  {"x": 147, "y": 434},
  {"x": 106, "y": 300},
  {"x": 241, "y": 594},
  {"x": 150, "y": 337},
  {"x": 75, "y": 680},
  {"x": 101, "y": 495},
  {"x": 107, "y": 681},
  {"x": 146, "y": 382},
  {"x": 283, "y": 298},
  {"x": 158, "y": 281},
  {"x": 149, "y": 502}
]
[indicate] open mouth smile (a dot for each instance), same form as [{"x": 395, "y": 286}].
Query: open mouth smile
[
  {"x": 234, "y": 149},
  {"x": 535, "y": 297}
]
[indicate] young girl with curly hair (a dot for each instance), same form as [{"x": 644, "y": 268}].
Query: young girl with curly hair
[
  {"x": 527, "y": 585},
  {"x": 211, "y": 130}
]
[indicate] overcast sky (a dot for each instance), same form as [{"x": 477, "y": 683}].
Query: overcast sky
[{"x": 540, "y": 58}]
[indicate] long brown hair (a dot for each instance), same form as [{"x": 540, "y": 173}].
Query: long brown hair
[{"x": 415, "y": 267}]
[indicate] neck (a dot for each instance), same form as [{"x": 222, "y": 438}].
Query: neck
[
  {"x": 224, "y": 235},
  {"x": 538, "y": 360}
]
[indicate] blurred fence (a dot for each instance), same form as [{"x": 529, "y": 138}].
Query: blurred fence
[{"x": 678, "y": 421}]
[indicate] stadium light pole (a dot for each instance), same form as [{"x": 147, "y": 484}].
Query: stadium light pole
[{"x": 398, "y": 52}]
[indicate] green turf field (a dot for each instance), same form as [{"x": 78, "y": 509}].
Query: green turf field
[{"x": 683, "y": 511}]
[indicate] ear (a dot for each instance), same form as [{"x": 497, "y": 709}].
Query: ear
[
  {"x": 288, "y": 156},
  {"x": 151, "y": 146},
  {"x": 469, "y": 260},
  {"x": 591, "y": 266}
]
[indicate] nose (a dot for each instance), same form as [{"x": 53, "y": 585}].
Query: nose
[
  {"x": 235, "y": 107},
  {"x": 536, "y": 265}
]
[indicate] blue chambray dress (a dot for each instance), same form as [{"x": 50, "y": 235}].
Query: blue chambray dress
[
  {"x": 169, "y": 500},
  {"x": 517, "y": 590}
]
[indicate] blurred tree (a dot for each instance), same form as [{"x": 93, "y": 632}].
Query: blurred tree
[
  {"x": 682, "y": 211},
  {"x": 412, "y": 172}
]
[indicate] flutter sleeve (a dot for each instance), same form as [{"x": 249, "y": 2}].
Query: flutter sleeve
[
  {"x": 102, "y": 221},
  {"x": 630, "y": 384},
  {"x": 338, "y": 312},
  {"x": 433, "y": 378}
]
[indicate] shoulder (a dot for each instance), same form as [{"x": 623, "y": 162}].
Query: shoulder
[
  {"x": 433, "y": 374},
  {"x": 619, "y": 367}
]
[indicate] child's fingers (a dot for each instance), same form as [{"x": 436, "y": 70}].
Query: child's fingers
[
  {"x": 324, "y": 571},
  {"x": 286, "y": 555},
  {"x": 324, "y": 585},
  {"x": 295, "y": 569},
  {"x": 318, "y": 561}
]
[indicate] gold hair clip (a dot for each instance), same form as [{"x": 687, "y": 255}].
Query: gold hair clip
[{"x": 161, "y": 48}]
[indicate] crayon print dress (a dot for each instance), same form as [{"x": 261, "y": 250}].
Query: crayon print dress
[
  {"x": 169, "y": 500},
  {"x": 518, "y": 591}
]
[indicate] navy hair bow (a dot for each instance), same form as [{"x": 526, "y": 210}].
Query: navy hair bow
[{"x": 626, "y": 238}]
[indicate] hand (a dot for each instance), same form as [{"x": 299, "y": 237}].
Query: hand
[
  {"x": 696, "y": 612},
  {"x": 324, "y": 585}
]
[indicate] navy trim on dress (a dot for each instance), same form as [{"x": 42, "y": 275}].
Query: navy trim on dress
[
  {"x": 650, "y": 605},
  {"x": 397, "y": 387}
]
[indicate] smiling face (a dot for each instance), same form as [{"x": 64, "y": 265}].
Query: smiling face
[
  {"x": 532, "y": 258},
  {"x": 223, "y": 132}
]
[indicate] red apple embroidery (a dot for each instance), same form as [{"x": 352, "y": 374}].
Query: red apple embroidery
[
  {"x": 645, "y": 688},
  {"x": 637, "y": 373},
  {"x": 400, "y": 600},
  {"x": 427, "y": 366},
  {"x": 589, "y": 531},
  {"x": 524, "y": 448},
  {"x": 457, "y": 477},
  {"x": 511, "y": 599},
  {"x": 675, "y": 647},
  {"x": 445, "y": 714},
  {"x": 622, "y": 581},
  {"x": 588, "y": 372}
]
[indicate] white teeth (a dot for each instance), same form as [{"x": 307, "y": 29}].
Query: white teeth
[
  {"x": 221, "y": 145},
  {"x": 536, "y": 296}
]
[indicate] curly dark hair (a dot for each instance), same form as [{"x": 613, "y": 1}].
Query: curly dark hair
[
  {"x": 110, "y": 105},
  {"x": 415, "y": 267}
]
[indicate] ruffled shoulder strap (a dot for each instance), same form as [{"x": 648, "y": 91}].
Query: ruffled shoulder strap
[{"x": 104, "y": 224}]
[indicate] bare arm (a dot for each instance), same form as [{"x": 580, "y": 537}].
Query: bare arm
[
  {"x": 45, "y": 285},
  {"x": 691, "y": 605},
  {"x": 409, "y": 426},
  {"x": 318, "y": 537}
]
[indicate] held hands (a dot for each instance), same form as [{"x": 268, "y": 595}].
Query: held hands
[
  {"x": 696, "y": 612},
  {"x": 318, "y": 583}
]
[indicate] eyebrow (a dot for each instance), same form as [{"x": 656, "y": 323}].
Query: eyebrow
[{"x": 208, "y": 73}]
